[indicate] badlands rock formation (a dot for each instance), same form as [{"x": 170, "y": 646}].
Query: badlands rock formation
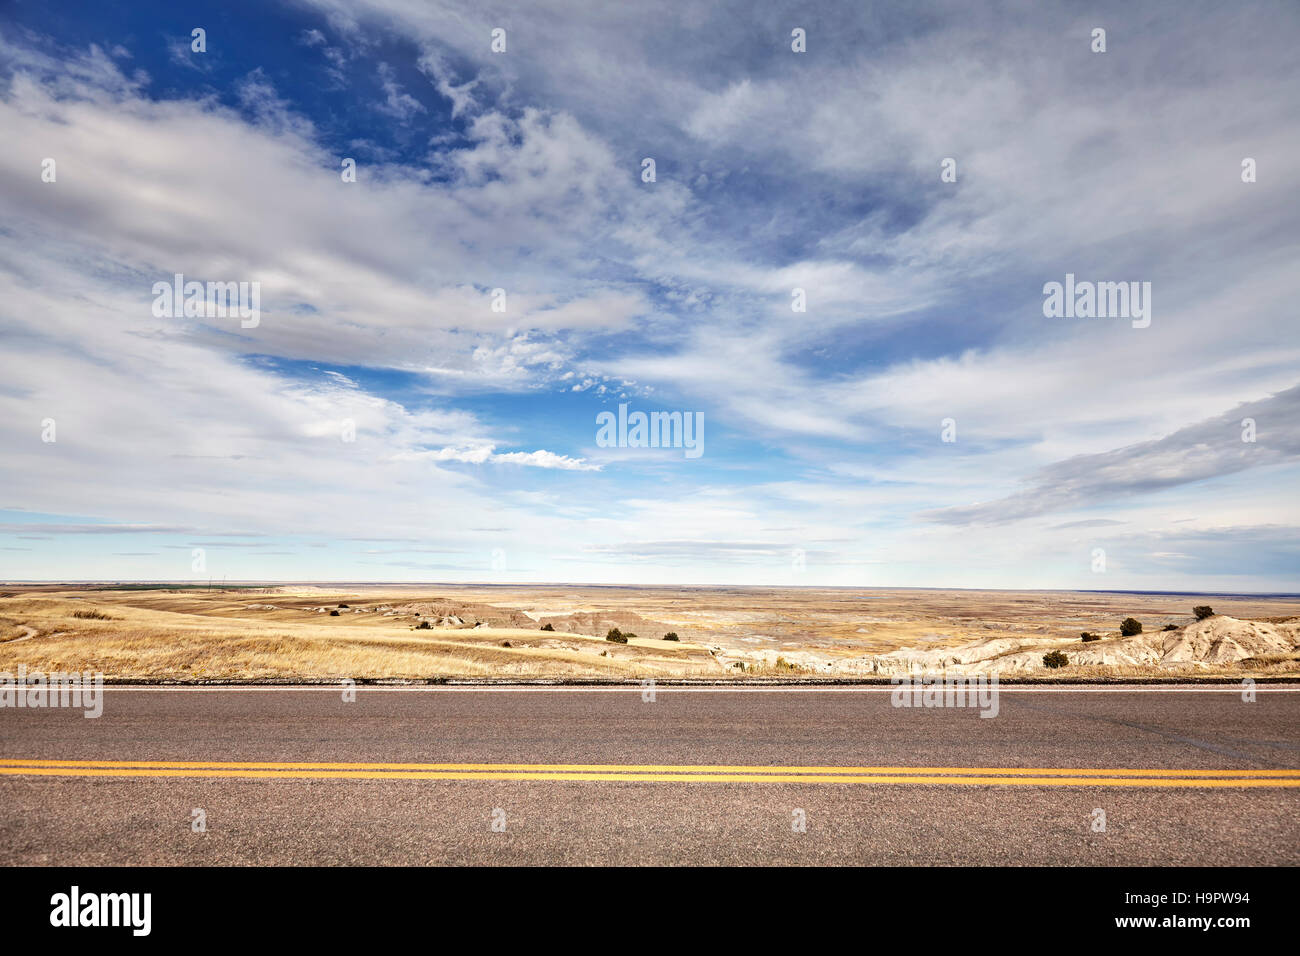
[{"x": 1216, "y": 641}]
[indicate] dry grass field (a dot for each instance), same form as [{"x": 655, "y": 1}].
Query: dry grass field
[{"x": 427, "y": 632}]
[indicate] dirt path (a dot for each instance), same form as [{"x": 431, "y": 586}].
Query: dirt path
[{"x": 32, "y": 632}]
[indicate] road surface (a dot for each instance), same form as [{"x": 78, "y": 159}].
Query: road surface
[{"x": 498, "y": 775}]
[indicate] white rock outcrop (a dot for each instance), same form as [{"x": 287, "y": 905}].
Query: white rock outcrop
[{"x": 1217, "y": 640}]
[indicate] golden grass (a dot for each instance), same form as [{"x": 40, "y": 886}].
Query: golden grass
[
  {"x": 144, "y": 643},
  {"x": 234, "y": 635}
]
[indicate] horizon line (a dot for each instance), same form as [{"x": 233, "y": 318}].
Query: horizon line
[{"x": 577, "y": 584}]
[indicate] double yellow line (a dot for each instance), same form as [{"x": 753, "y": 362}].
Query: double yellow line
[{"x": 658, "y": 773}]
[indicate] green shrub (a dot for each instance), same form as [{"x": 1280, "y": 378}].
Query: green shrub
[
  {"x": 342, "y": 605},
  {"x": 1170, "y": 627},
  {"x": 547, "y": 627},
  {"x": 1087, "y": 636},
  {"x": 1130, "y": 626},
  {"x": 1202, "y": 611},
  {"x": 617, "y": 636},
  {"x": 422, "y": 626},
  {"x": 1055, "y": 659},
  {"x": 334, "y": 613},
  {"x": 670, "y": 636}
]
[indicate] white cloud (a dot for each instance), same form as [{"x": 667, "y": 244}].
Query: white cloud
[
  {"x": 483, "y": 454},
  {"x": 923, "y": 300},
  {"x": 397, "y": 102}
]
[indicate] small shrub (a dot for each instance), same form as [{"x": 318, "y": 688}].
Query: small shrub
[
  {"x": 670, "y": 636},
  {"x": 1202, "y": 611},
  {"x": 1130, "y": 626},
  {"x": 423, "y": 626},
  {"x": 783, "y": 665},
  {"x": 92, "y": 616},
  {"x": 1170, "y": 627},
  {"x": 334, "y": 613},
  {"x": 617, "y": 636},
  {"x": 505, "y": 643},
  {"x": 1088, "y": 636},
  {"x": 1055, "y": 659},
  {"x": 342, "y": 605},
  {"x": 547, "y": 627}
]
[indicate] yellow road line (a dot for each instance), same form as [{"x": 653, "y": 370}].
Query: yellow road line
[
  {"x": 1162, "y": 777},
  {"x": 642, "y": 768},
  {"x": 663, "y": 777}
]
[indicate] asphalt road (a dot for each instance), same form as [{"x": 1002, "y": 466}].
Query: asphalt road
[{"x": 1185, "y": 776}]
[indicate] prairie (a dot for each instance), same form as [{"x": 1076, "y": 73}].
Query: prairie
[{"x": 305, "y": 632}]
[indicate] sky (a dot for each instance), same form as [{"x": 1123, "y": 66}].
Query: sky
[{"x": 418, "y": 396}]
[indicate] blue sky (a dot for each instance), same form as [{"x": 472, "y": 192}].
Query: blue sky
[{"x": 475, "y": 455}]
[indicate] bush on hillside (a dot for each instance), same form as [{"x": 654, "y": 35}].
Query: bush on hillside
[{"x": 1055, "y": 659}]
